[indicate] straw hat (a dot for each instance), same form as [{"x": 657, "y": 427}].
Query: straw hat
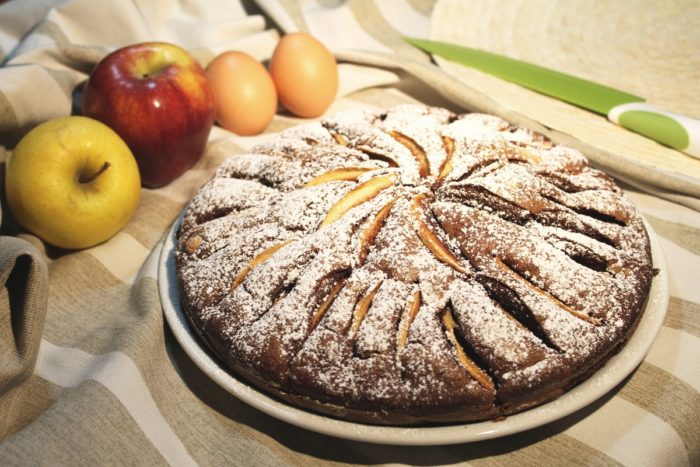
[{"x": 644, "y": 47}]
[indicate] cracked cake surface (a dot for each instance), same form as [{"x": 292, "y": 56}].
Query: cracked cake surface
[{"x": 412, "y": 266}]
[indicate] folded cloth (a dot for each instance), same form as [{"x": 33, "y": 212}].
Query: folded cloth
[
  {"x": 43, "y": 70},
  {"x": 23, "y": 297}
]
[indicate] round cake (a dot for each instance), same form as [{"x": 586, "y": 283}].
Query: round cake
[{"x": 412, "y": 266}]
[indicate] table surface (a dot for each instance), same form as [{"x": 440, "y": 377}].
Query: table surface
[{"x": 111, "y": 384}]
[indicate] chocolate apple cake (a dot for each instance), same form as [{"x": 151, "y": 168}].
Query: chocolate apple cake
[{"x": 412, "y": 266}]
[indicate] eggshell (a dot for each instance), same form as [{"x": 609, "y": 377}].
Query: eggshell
[
  {"x": 246, "y": 100},
  {"x": 305, "y": 74}
]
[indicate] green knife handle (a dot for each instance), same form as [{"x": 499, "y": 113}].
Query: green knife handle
[{"x": 677, "y": 131}]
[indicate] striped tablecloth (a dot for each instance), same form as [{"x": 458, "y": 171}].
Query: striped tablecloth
[{"x": 90, "y": 373}]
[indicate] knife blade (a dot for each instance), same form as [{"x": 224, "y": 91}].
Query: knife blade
[{"x": 627, "y": 110}]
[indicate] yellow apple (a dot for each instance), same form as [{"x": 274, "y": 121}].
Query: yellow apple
[{"x": 73, "y": 182}]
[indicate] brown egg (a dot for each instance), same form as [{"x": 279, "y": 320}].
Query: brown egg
[
  {"x": 246, "y": 100},
  {"x": 305, "y": 74}
]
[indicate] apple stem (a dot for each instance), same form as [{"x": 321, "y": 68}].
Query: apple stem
[{"x": 88, "y": 178}]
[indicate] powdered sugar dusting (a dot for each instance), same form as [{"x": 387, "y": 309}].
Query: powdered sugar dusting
[{"x": 539, "y": 259}]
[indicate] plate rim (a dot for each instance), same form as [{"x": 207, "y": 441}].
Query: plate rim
[{"x": 618, "y": 367}]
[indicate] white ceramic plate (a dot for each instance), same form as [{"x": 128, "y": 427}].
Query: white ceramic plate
[{"x": 617, "y": 369}]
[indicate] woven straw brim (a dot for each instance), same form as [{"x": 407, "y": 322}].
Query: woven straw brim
[{"x": 641, "y": 47}]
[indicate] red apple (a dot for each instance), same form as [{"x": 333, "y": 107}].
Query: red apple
[{"x": 157, "y": 98}]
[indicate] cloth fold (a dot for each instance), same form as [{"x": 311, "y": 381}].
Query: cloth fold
[
  {"x": 23, "y": 301},
  {"x": 112, "y": 385}
]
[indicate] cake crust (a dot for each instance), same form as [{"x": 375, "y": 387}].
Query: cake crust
[{"x": 412, "y": 266}]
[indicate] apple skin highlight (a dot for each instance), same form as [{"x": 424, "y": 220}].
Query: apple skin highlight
[{"x": 158, "y": 99}]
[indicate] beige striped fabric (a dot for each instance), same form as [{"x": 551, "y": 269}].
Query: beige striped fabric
[{"x": 90, "y": 373}]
